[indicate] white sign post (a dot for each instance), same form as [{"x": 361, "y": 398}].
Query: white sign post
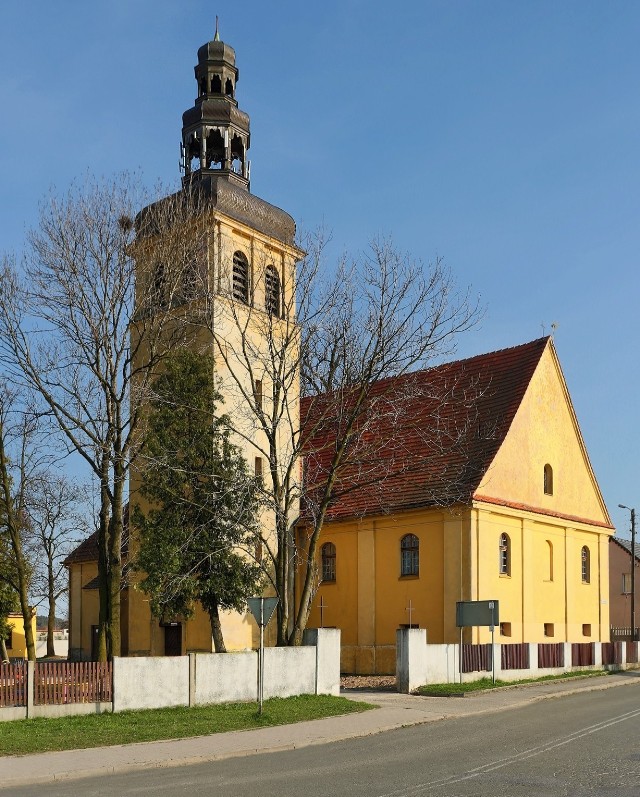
[{"x": 262, "y": 609}]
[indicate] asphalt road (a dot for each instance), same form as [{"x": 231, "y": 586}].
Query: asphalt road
[{"x": 586, "y": 744}]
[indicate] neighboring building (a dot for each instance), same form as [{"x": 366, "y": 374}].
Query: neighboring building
[
  {"x": 620, "y": 583},
  {"x": 528, "y": 527},
  {"x": 246, "y": 269},
  {"x": 16, "y": 641}
]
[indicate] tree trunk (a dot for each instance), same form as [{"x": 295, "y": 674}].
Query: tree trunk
[
  {"x": 103, "y": 571},
  {"x": 51, "y": 619},
  {"x": 12, "y": 520},
  {"x": 115, "y": 557},
  {"x": 216, "y": 628},
  {"x": 4, "y": 656}
]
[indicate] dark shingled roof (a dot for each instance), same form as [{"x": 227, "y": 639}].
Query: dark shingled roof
[
  {"x": 437, "y": 447},
  {"x": 626, "y": 544}
]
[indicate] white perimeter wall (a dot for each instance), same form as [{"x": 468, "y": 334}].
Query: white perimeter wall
[{"x": 201, "y": 678}]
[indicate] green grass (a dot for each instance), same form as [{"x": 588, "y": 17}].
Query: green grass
[
  {"x": 442, "y": 690},
  {"x": 40, "y": 735}
]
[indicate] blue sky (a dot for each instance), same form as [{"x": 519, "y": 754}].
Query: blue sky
[{"x": 502, "y": 136}]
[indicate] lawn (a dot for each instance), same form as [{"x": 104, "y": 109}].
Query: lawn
[
  {"x": 443, "y": 690},
  {"x": 40, "y": 735}
]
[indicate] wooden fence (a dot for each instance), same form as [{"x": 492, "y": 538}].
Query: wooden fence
[
  {"x": 57, "y": 683},
  {"x": 612, "y": 652},
  {"x": 476, "y": 658},
  {"x": 582, "y": 654},
  {"x": 515, "y": 656},
  {"x": 550, "y": 655},
  {"x": 13, "y": 685}
]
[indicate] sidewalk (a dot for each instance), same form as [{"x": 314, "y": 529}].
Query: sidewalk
[{"x": 395, "y": 711}]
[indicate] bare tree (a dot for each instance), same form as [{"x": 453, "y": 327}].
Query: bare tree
[
  {"x": 328, "y": 343},
  {"x": 22, "y": 454},
  {"x": 54, "y": 506},
  {"x": 77, "y": 329}
]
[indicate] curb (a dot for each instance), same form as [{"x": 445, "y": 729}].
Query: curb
[{"x": 9, "y": 782}]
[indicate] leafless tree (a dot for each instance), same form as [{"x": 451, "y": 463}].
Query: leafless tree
[
  {"x": 77, "y": 329},
  {"x": 328, "y": 344},
  {"x": 55, "y": 523},
  {"x": 22, "y": 454}
]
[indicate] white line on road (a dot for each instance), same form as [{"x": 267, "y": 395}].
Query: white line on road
[{"x": 500, "y": 763}]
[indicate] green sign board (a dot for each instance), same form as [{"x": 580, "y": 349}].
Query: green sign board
[{"x": 470, "y": 613}]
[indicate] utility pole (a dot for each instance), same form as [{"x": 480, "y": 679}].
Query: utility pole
[{"x": 633, "y": 569}]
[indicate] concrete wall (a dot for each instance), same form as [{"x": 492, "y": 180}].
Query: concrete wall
[
  {"x": 327, "y": 646},
  {"x": 201, "y": 678},
  {"x": 420, "y": 664},
  {"x": 289, "y": 671},
  {"x": 150, "y": 682},
  {"x": 222, "y": 678}
]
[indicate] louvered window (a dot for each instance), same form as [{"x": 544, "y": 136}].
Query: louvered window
[
  {"x": 272, "y": 292},
  {"x": 240, "y": 278}
]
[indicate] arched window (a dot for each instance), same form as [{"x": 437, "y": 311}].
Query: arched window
[
  {"x": 548, "y": 480},
  {"x": 550, "y": 554},
  {"x": 240, "y": 277},
  {"x": 328, "y": 553},
  {"x": 228, "y": 88},
  {"x": 272, "y": 291},
  {"x": 216, "y": 85},
  {"x": 585, "y": 557},
  {"x": 409, "y": 555},
  {"x": 505, "y": 555}
]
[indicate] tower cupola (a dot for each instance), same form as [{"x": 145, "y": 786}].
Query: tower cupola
[{"x": 215, "y": 132}]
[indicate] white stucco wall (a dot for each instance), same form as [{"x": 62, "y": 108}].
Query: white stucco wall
[
  {"x": 226, "y": 677},
  {"x": 289, "y": 671},
  {"x": 150, "y": 682}
]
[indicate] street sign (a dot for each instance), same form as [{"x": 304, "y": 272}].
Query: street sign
[
  {"x": 469, "y": 613},
  {"x": 477, "y": 613},
  {"x": 262, "y": 609}
]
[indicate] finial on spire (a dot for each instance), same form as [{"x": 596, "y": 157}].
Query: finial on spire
[{"x": 216, "y": 38}]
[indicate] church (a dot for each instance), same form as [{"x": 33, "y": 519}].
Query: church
[{"x": 515, "y": 514}]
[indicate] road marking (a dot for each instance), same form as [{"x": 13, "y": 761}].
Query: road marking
[{"x": 500, "y": 763}]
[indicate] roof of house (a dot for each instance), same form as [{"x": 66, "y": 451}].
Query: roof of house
[
  {"x": 436, "y": 448},
  {"x": 87, "y": 551},
  {"x": 626, "y": 544}
]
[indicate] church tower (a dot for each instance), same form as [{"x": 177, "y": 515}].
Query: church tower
[{"x": 242, "y": 278}]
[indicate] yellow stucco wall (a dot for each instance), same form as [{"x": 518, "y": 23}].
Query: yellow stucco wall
[
  {"x": 18, "y": 647},
  {"x": 544, "y": 584},
  {"x": 545, "y": 431}
]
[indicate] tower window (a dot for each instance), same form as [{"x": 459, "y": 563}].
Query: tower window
[
  {"x": 240, "y": 277},
  {"x": 257, "y": 393},
  {"x": 228, "y": 88},
  {"x": 585, "y": 558},
  {"x": 258, "y": 469},
  {"x": 216, "y": 85},
  {"x": 409, "y": 555},
  {"x": 505, "y": 555},
  {"x": 328, "y": 554},
  {"x": 548, "y": 480},
  {"x": 159, "y": 288},
  {"x": 272, "y": 292}
]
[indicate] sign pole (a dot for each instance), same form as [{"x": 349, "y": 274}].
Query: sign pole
[
  {"x": 493, "y": 626},
  {"x": 262, "y": 610},
  {"x": 261, "y": 668}
]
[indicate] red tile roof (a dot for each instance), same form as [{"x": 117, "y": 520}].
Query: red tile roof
[{"x": 429, "y": 436}]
